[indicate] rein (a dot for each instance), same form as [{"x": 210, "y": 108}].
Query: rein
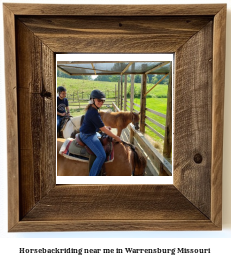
[{"x": 73, "y": 123}]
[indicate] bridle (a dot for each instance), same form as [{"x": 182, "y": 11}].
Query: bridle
[
  {"x": 72, "y": 122},
  {"x": 135, "y": 123},
  {"x": 69, "y": 118}
]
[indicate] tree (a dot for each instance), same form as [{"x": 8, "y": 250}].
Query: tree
[
  {"x": 114, "y": 78},
  {"x": 103, "y": 78},
  {"x": 137, "y": 78},
  {"x": 149, "y": 78},
  {"x": 111, "y": 78},
  {"x": 157, "y": 77}
]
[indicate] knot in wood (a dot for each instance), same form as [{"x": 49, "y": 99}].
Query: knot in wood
[
  {"x": 45, "y": 94},
  {"x": 198, "y": 158}
]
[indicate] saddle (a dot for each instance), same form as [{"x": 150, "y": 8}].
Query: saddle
[
  {"x": 79, "y": 142},
  {"x": 77, "y": 149},
  {"x": 104, "y": 139},
  {"x": 106, "y": 142}
]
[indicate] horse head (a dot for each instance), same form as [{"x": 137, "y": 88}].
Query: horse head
[{"x": 135, "y": 120}]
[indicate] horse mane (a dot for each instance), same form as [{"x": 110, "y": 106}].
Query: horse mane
[
  {"x": 139, "y": 159},
  {"x": 81, "y": 121},
  {"x": 74, "y": 133},
  {"x": 77, "y": 131}
]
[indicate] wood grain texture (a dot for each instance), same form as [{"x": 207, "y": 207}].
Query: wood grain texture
[
  {"x": 218, "y": 114},
  {"x": 189, "y": 204},
  {"x": 114, "y": 225},
  {"x": 114, "y": 202},
  {"x": 114, "y": 210},
  {"x": 167, "y": 150},
  {"x": 121, "y": 92},
  {"x": 125, "y": 92},
  {"x": 11, "y": 117},
  {"x": 115, "y": 10},
  {"x": 143, "y": 102},
  {"x": 36, "y": 107},
  {"x": 193, "y": 113},
  {"x": 114, "y": 34}
]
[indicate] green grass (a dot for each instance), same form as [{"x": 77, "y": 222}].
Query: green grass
[
  {"x": 86, "y": 86},
  {"x": 160, "y": 91},
  {"x": 159, "y": 105}
]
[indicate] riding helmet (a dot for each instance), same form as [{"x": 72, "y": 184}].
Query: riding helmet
[
  {"x": 97, "y": 94},
  {"x": 61, "y": 89}
]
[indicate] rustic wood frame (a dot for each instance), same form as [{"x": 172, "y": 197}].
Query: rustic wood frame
[{"x": 33, "y": 34}]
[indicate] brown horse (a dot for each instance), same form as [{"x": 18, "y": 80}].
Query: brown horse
[
  {"x": 127, "y": 162},
  {"x": 120, "y": 120}
]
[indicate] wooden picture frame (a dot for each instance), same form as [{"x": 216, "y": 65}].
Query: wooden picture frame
[{"x": 34, "y": 33}]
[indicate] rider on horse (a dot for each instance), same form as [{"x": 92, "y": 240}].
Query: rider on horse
[
  {"x": 62, "y": 106},
  {"x": 92, "y": 123}
]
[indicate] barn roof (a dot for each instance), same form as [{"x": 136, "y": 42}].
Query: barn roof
[{"x": 111, "y": 68}]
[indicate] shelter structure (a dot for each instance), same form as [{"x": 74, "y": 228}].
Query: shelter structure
[{"x": 132, "y": 68}]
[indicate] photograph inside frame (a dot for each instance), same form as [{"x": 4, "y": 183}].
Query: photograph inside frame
[{"x": 114, "y": 118}]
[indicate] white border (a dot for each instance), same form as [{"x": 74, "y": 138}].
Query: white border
[{"x": 114, "y": 179}]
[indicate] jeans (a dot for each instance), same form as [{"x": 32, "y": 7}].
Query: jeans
[
  {"x": 92, "y": 141},
  {"x": 59, "y": 119}
]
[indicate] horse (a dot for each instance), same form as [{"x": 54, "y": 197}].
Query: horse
[
  {"x": 120, "y": 119},
  {"x": 72, "y": 125},
  {"x": 128, "y": 160}
]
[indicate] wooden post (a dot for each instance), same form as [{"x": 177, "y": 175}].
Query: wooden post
[
  {"x": 168, "y": 125},
  {"x": 115, "y": 93},
  {"x": 132, "y": 93},
  {"x": 143, "y": 102},
  {"x": 131, "y": 136},
  {"x": 121, "y": 97},
  {"x": 118, "y": 98},
  {"x": 162, "y": 172},
  {"x": 125, "y": 93},
  {"x": 78, "y": 98}
]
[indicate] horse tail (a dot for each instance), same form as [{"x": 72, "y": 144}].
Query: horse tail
[{"x": 139, "y": 159}]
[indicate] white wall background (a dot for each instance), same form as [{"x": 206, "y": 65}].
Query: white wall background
[{"x": 217, "y": 241}]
